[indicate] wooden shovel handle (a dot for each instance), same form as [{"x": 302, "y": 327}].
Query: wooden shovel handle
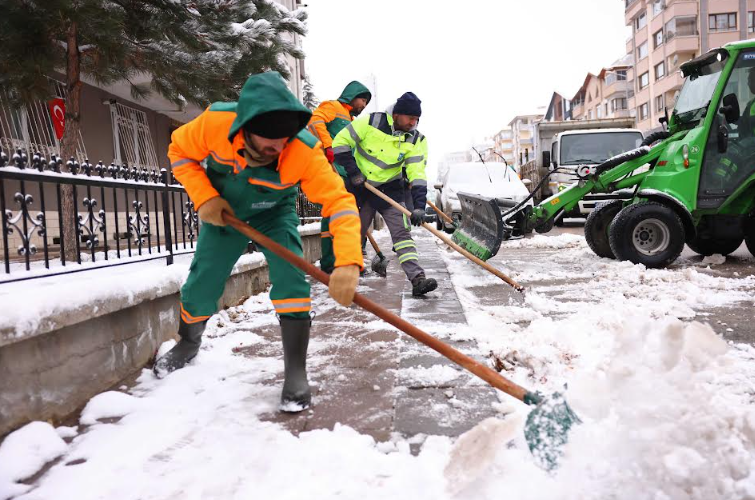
[
  {"x": 373, "y": 243},
  {"x": 487, "y": 374},
  {"x": 441, "y": 213},
  {"x": 445, "y": 239}
]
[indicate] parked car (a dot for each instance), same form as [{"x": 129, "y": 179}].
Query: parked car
[{"x": 492, "y": 180}]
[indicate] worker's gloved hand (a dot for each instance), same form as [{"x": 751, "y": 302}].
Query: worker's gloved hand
[
  {"x": 357, "y": 179},
  {"x": 418, "y": 217},
  {"x": 343, "y": 284},
  {"x": 211, "y": 211},
  {"x": 329, "y": 154}
]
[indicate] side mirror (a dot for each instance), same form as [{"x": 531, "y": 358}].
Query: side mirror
[
  {"x": 527, "y": 182},
  {"x": 438, "y": 185},
  {"x": 730, "y": 108},
  {"x": 546, "y": 158},
  {"x": 723, "y": 139}
]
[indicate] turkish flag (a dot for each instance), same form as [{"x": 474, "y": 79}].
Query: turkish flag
[{"x": 58, "y": 114}]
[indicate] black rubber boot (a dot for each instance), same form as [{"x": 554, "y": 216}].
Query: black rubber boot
[
  {"x": 422, "y": 285},
  {"x": 296, "y": 395},
  {"x": 184, "y": 351}
]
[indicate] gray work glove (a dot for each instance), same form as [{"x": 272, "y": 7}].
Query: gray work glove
[
  {"x": 357, "y": 179},
  {"x": 418, "y": 217}
]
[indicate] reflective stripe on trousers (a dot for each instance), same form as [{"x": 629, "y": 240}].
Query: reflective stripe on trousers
[{"x": 403, "y": 243}]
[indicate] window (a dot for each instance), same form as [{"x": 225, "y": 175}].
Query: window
[
  {"x": 31, "y": 126},
  {"x": 658, "y": 6},
  {"x": 606, "y": 109},
  {"x": 681, "y": 26},
  {"x": 642, "y": 51},
  {"x": 599, "y": 111},
  {"x": 132, "y": 137},
  {"x": 640, "y": 21},
  {"x": 589, "y": 115},
  {"x": 660, "y": 103},
  {"x": 660, "y": 70},
  {"x": 751, "y": 22},
  {"x": 642, "y": 111},
  {"x": 722, "y": 22},
  {"x": 658, "y": 39},
  {"x": 618, "y": 104},
  {"x": 644, "y": 80}
]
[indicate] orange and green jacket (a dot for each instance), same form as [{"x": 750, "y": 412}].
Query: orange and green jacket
[
  {"x": 331, "y": 117},
  {"x": 213, "y": 136}
]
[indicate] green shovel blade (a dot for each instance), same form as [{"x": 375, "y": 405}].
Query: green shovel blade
[{"x": 547, "y": 428}]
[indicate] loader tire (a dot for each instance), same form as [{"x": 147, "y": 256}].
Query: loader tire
[
  {"x": 750, "y": 234},
  {"x": 597, "y": 225},
  {"x": 647, "y": 233},
  {"x": 708, "y": 247}
]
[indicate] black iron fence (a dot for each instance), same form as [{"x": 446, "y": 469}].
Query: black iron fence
[{"x": 121, "y": 214}]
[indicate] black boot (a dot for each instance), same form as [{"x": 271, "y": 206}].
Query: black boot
[
  {"x": 184, "y": 351},
  {"x": 296, "y": 395},
  {"x": 422, "y": 285}
]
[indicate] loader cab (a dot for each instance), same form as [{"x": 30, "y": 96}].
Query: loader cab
[{"x": 729, "y": 156}]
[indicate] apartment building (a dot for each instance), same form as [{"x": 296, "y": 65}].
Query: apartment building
[
  {"x": 559, "y": 109},
  {"x": 665, "y": 34},
  {"x": 605, "y": 95},
  {"x": 522, "y": 137},
  {"x": 503, "y": 144}
]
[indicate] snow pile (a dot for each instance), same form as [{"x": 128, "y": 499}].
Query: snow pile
[
  {"x": 25, "y": 452},
  {"x": 542, "y": 241},
  {"x": 667, "y": 414}
]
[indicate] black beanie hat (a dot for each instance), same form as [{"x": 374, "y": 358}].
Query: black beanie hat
[
  {"x": 277, "y": 124},
  {"x": 408, "y": 104}
]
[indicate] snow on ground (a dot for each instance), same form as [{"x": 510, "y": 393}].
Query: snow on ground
[{"x": 667, "y": 405}]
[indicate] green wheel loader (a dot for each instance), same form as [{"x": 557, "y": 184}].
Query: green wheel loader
[{"x": 693, "y": 183}]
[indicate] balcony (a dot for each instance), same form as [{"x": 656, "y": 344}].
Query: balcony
[
  {"x": 632, "y": 8},
  {"x": 617, "y": 87},
  {"x": 677, "y": 44}
]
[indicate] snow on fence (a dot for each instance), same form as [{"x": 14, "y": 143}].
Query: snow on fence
[{"x": 122, "y": 215}]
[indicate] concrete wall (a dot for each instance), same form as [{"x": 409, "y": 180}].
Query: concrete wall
[{"x": 53, "y": 374}]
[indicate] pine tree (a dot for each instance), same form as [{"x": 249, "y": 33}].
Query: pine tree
[
  {"x": 195, "y": 51},
  {"x": 310, "y": 99}
]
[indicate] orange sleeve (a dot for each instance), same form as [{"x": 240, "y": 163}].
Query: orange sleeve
[
  {"x": 321, "y": 184},
  {"x": 324, "y": 114},
  {"x": 188, "y": 147}
]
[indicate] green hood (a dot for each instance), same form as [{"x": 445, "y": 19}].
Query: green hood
[
  {"x": 352, "y": 90},
  {"x": 263, "y": 93}
]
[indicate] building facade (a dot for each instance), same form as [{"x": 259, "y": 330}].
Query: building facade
[
  {"x": 522, "y": 135},
  {"x": 605, "y": 95},
  {"x": 667, "y": 33},
  {"x": 503, "y": 144}
]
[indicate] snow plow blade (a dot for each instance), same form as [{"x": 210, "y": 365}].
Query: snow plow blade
[{"x": 481, "y": 229}]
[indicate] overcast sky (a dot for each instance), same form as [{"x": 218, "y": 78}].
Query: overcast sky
[{"x": 475, "y": 64}]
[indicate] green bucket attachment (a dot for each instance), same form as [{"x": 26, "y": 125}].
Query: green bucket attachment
[
  {"x": 547, "y": 427},
  {"x": 481, "y": 229}
]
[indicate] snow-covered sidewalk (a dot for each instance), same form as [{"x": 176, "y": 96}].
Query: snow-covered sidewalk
[{"x": 667, "y": 405}]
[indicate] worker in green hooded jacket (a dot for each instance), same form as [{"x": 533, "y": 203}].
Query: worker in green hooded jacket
[
  {"x": 247, "y": 159},
  {"x": 327, "y": 120}
]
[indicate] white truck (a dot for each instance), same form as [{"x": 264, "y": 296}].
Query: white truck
[{"x": 568, "y": 145}]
